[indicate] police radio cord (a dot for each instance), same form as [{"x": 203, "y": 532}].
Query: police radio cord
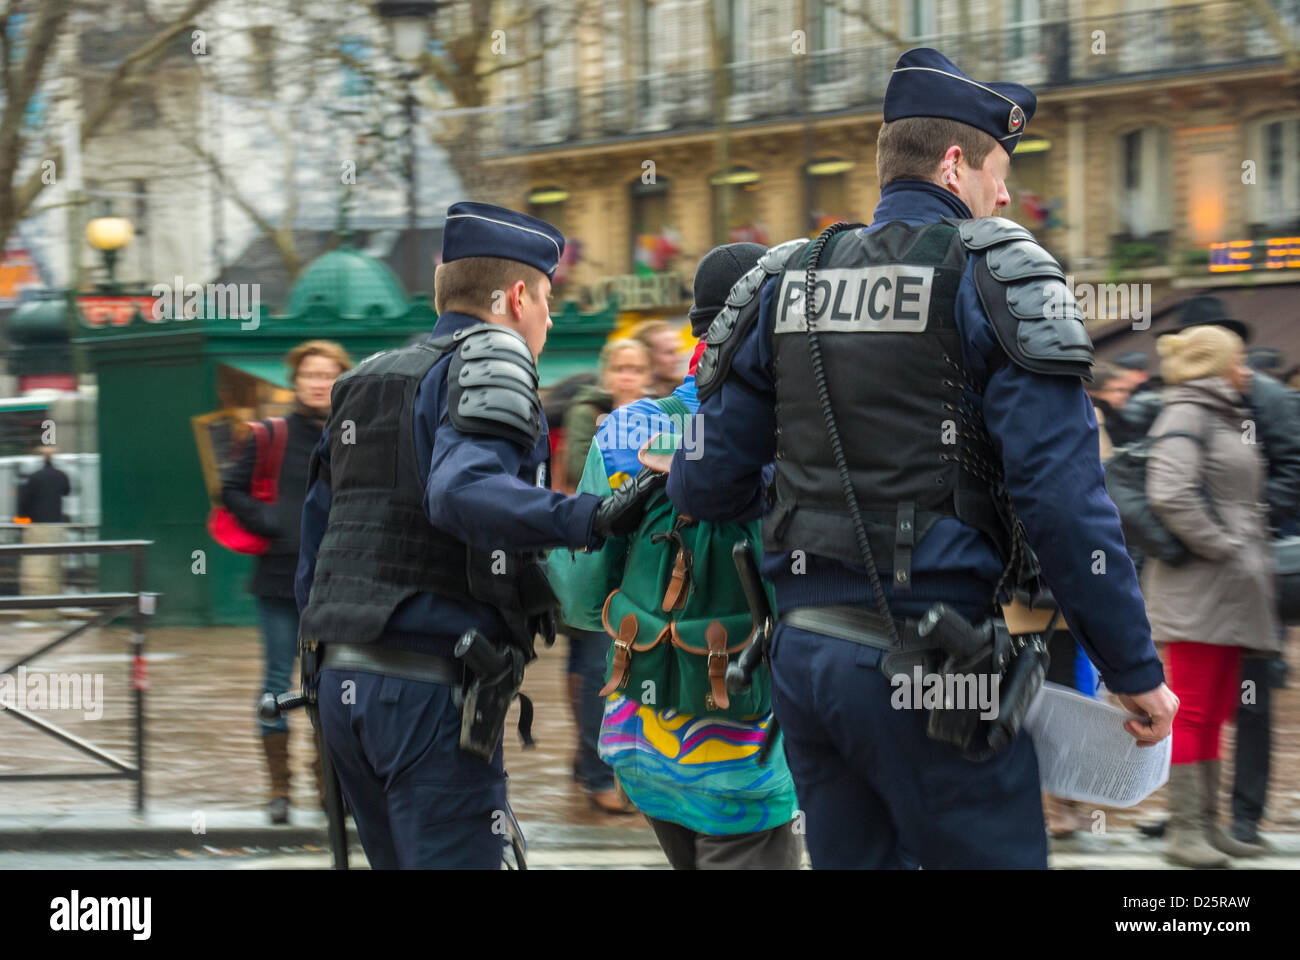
[{"x": 832, "y": 431}]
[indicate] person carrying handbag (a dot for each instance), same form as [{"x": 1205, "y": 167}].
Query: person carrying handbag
[
  {"x": 1206, "y": 485},
  {"x": 313, "y": 366}
]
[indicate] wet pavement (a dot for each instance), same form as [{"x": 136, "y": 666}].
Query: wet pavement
[
  {"x": 201, "y": 741},
  {"x": 202, "y": 757}
]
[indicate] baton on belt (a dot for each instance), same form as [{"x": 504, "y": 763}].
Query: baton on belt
[
  {"x": 740, "y": 673},
  {"x": 272, "y": 707}
]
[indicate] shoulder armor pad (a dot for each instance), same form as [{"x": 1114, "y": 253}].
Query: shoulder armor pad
[
  {"x": 734, "y": 320},
  {"x": 492, "y": 386},
  {"x": 1023, "y": 291},
  {"x": 985, "y": 232}
]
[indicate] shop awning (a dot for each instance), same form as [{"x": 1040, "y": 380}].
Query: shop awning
[{"x": 272, "y": 371}]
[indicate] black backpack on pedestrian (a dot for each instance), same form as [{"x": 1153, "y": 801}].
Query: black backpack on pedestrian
[{"x": 1126, "y": 482}]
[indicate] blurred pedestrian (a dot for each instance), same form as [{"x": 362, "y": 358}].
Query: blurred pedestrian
[
  {"x": 624, "y": 377},
  {"x": 1109, "y": 392},
  {"x": 556, "y": 401},
  {"x": 1207, "y": 487},
  {"x": 40, "y": 498},
  {"x": 1274, "y": 412},
  {"x": 313, "y": 366},
  {"x": 666, "y": 359},
  {"x": 40, "y": 507}
]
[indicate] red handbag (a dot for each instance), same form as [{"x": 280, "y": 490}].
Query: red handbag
[{"x": 265, "y": 486}]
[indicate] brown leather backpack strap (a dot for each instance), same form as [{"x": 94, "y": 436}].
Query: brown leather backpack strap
[
  {"x": 679, "y": 584},
  {"x": 715, "y": 635},
  {"x": 622, "y": 655}
]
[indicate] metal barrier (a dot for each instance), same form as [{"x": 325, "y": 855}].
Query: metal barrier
[
  {"x": 80, "y": 574},
  {"x": 137, "y": 602}
]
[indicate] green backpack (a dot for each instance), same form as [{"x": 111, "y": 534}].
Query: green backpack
[{"x": 680, "y": 615}]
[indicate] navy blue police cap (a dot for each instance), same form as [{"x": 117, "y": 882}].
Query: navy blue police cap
[
  {"x": 486, "y": 230},
  {"x": 925, "y": 83}
]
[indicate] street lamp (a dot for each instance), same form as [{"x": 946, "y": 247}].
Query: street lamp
[
  {"x": 409, "y": 23},
  {"x": 109, "y": 235}
]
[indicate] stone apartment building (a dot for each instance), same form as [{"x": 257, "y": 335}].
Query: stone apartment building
[{"x": 1165, "y": 133}]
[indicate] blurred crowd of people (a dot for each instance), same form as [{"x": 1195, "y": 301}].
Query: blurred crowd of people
[{"x": 1223, "y": 476}]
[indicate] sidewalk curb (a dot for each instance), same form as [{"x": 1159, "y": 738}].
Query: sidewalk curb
[{"x": 170, "y": 832}]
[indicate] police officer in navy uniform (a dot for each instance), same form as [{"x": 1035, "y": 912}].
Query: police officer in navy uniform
[
  {"x": 426, "y": 511},
  {"x": 952, "y": 359}
]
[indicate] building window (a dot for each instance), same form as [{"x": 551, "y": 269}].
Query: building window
[
  {"x": 1144, "y": 208},
  {"x": 549, "y": 204},
  {"x": 735, "y": 206},
  {"x": 736, "y": 25},
  {"x": 1276, "y": 195},
  {"x": 921, "y": 19},
  {"x": 828, "y": 193},
  {"x": 1022, "y": 17},
  {"x": 828, "y": 63},
  {"x": 140, "y": 219},
  {"x": 144, "y": 110},
  {"x": 654, "y": 242},
  {"x": 1027, "y": 185},
  {"x": 552, "y": 205},
  {"x": 263, "y": 40},
  {"x": 353, "y": 53}
]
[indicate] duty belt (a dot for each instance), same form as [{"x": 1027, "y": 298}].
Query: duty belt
[
  {"x": 406, "y": 664},
  {"x": 853, "y": 624}
]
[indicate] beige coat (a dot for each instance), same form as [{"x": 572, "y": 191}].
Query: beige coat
[{"x": 1224, "y": 593}]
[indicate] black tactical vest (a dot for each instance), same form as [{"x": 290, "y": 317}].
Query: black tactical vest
[
  {"x": 913, "y": 436},
  {"x": 379, "y": 547}
]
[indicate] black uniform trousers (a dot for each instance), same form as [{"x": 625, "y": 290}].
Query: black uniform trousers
[
  {"x": 418, "y": 800},
  {"x": 875, "y": 791}
]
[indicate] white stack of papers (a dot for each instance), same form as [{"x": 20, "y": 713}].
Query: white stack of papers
[{"x": 1084, "y": 752}]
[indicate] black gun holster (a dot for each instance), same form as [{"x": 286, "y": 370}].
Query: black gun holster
[
  {"x": 495, "y": 674},
  {"x": 974, "y": 659}
]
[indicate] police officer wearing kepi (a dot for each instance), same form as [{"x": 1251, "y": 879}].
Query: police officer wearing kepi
[
  {"x": 931, "y": 409},
  {"x": 426, "y": 511}
]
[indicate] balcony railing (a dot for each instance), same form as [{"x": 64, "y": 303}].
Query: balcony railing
[{"x": 1089, "y": 50}]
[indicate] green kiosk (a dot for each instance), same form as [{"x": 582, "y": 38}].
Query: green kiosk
[{"x": 169, "y": 365}]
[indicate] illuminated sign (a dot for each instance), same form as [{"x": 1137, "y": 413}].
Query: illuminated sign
[
  {"x": 115, "y": 311},
  {"x": 1235, "y": 256}
]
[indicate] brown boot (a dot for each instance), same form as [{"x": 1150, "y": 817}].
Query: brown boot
[
  {"x": 1185, "y": 838},
  {"x": 1211, "y": 770},
  {"x": 276, "y": 746}
]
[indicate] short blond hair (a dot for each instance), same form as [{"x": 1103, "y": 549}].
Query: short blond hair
[
  {"x": 316, "y": 348},
  {"x": 468, "y": 285},
  {"x": 614, "y": 347},
  {"x": 912, "y": 148}
]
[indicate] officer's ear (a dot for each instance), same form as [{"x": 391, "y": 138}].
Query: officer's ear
[
  {"x": 952, "y": 157},
  {"x": 515, "y": 299}
]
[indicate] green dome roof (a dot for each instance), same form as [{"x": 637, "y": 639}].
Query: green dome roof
[
  {"x": 349, "y": 284},
  {"x": 39, "y": 321}
]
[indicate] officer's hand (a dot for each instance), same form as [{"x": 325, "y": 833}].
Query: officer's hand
[
  {"x": 620, "y": 513},
  {"x": 1158, "y": 706}
]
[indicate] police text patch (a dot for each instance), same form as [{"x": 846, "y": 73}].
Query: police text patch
[{"x": 894, "y": 298}]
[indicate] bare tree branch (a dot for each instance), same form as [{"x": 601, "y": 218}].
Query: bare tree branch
[{"x": 15, "y": 201}]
